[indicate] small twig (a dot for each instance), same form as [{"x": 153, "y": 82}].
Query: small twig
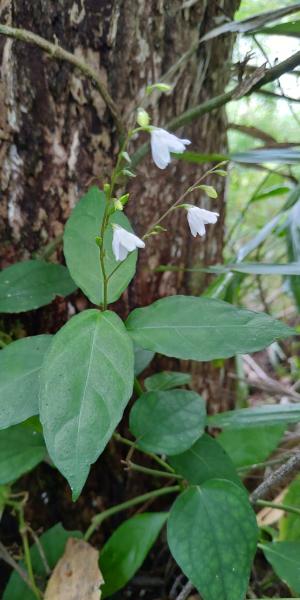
[
  {"x": 6, "y": 557},
  {"x": 186, "y": 590},
  {"x": 59, "y": 53},
  {"x": 40, "y": 549},
  {"x": 281, "y": 477}
]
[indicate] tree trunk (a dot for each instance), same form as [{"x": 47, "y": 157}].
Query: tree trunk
[{"x": 57, "y": 134}]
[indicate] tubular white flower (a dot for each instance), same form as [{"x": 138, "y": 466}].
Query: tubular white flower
[
  {"x": 124, "y": 242},
  {"x": 198, "y": 218},
  {"x": 162, "y": 144}
]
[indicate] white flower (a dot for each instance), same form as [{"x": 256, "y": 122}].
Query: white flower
[
  {"x": 162, "y": 144},
  {"x": 124, "y": 242},
  {"x": 198, "y": 218}
]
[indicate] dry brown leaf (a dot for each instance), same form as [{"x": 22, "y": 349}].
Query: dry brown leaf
[
  {"x": 268, "y": 515},
  {"x": 76, "y": 575}
]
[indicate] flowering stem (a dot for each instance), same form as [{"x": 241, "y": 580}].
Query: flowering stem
[
  {"x": 98, "y": 519},
  {"x": 179, "y": 200},
  {"x": 102, "y": 255}
]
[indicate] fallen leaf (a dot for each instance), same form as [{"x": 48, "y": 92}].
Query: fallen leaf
[
  {"x": 76, "y": 575},
  {"x": 268, "y": 515}
]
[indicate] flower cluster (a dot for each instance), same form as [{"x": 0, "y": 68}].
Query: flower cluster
[{"x": 162, "y": 144}]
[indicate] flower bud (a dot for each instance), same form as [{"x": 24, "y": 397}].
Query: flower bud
[
  {"x": 142, "y": 118},
  {"x": 161, "y": 87},
  {"x": 118, "y": 204}
]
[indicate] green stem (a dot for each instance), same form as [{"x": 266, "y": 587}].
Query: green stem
[
  {"x": 102, "y": 251},
  {"x": 154, "y": 472},
  {"x": 283, "y": 507},
  {"x": 137, "y": 387},
  {"x": 180, "y": 199},
  {"x": 50, "y": 248},
  {"x": 160, "y": 461},
  {"x": 98, "y": 519},
  {"x": 27, "y": 556}
]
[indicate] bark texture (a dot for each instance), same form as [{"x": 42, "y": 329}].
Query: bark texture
[{"x": 57, "y": 135}]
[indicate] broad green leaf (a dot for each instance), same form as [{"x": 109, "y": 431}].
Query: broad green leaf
[
  {"x": 21, "y": 449},
  {"x": 194, "y": 328},
  {"x": 205, "y": 460},
  {"x": 212, "y": 535},
  {"x": 289, "y": 524},
  {"x": 251, "y": 445},
  {"x": 142, "y": 358},
  {"x": 33, "y": 283},
  {"x": 82, "y": 252},
  {"x": 86, "y": 382},
  {"x": 291, "y": 28},
  {"x": 285, "y": 560},
  {"x": 127, "y": 548},
  {"x": 167, "y": 422},
  {"x": 268, "y": 155},
  {"x": 166, "y": 380},
  {"x": 53, "y": 542},
  {"x": 269, "y": 414},
  {"x": 20, "y": 364},
  {"x": 251, "y": 23}
]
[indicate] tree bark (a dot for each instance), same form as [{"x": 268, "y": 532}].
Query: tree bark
[{"x": 57, "y": 135}]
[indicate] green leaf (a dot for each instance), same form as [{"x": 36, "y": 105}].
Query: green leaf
[
  {"x": 268, "y": 155},
  {"x": 127, "y": 548},
  {"x": 285, "y": 560},
  {"x": 194, "y": 328},
  {"x": 275, "y": 190},
  {"x": 199, "y": 158},
  {"x": 252, "y": 23},
  {"x": 33, "y": 283},
  {"x": 86, "y": 382},
  {"x": 167, "y": 422},
  {"x": 212, "y": 535},
  {"x": 270, "y": 414},
  {"x": 166, "y": 380},
  {"x": 20, "y": 364},
  {"x": 205, "y": 460},
  {"x": 291, "y": 28},
  {"x": 4, "y": 496},
  {"x": 209, "y": 190},
  {"x": 53, "y": 542},
  {"x": 292, "y": 268},
  {"x": 21, "y": 449},
  {"x": 289, "y": 524},
  {"x": 260, "y": 237},
  {"x": 293, "y": 247},
  {"x": 82, "y": 252},
  {"x": 142, "y": 358},
  {"x": 251, "y": 445}
]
